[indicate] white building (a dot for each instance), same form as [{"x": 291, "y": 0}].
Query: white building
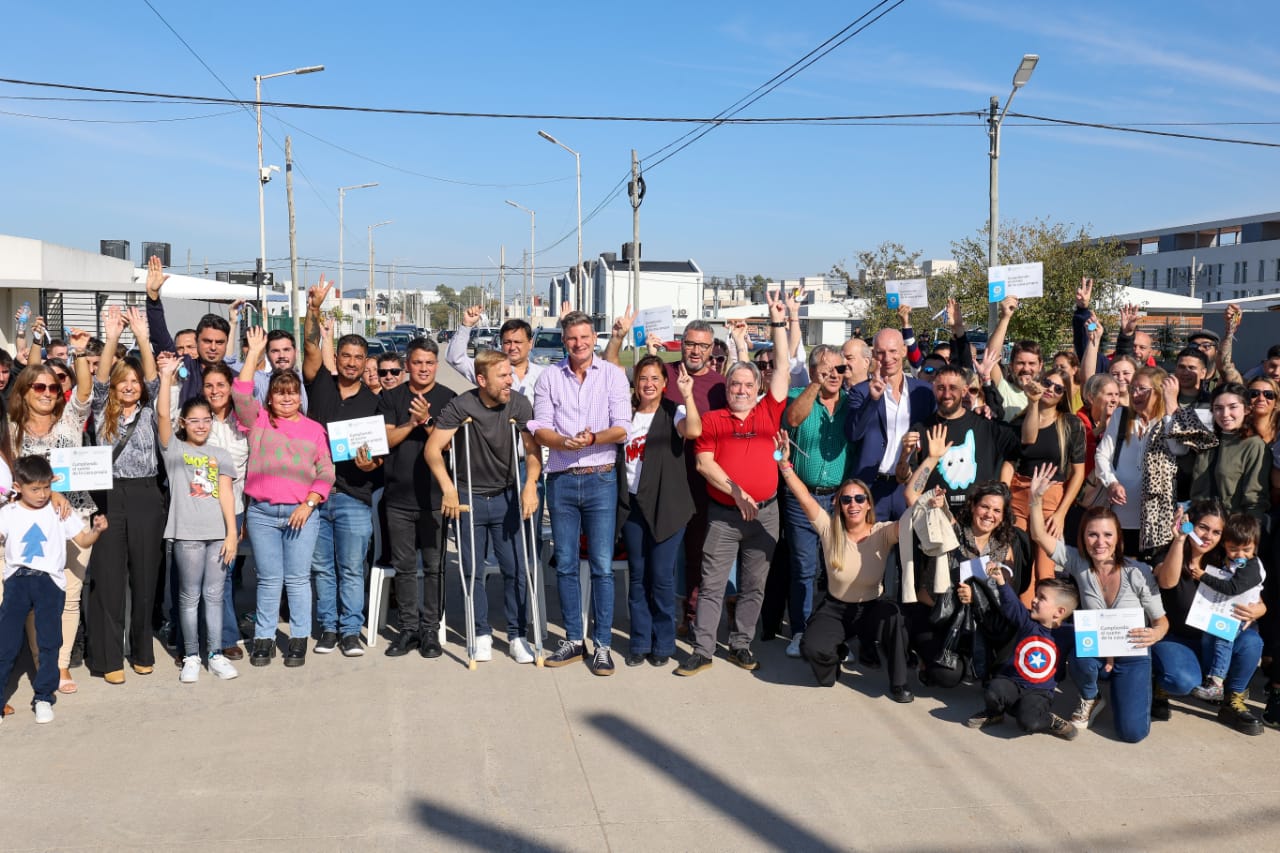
[
  {"x": 675, "y": 283},
  {"x": 1223, "y": 260}
]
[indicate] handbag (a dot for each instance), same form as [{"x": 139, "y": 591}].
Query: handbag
[{"x": 1094, "y": 493}]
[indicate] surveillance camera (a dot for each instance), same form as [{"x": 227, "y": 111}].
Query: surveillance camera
[{"x": 265, "y": 175}]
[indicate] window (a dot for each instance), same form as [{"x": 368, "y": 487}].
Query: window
[
  {"x": 1262, "y": 265},
  {"x": 1144, "y": 278},
  {"x": 1235, "y": 273}
]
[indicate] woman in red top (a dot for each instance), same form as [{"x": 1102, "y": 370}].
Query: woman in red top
[{"x": 1101, "y": 399}]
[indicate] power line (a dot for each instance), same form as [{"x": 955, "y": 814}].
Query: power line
[
  {"x": 117, "y": 121},
  {"x": 1147, "y": 131}
]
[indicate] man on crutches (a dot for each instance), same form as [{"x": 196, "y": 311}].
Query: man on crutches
[{"x": 479, "y": 424}]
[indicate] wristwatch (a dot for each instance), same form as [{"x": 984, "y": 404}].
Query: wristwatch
[
  {"x": 430, "y": 424},
  {"x": 312, "y": 504}
]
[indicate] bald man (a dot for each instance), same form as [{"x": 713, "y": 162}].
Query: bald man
[{"x": 881, "y": 411}]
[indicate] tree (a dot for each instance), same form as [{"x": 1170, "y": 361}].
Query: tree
[
  {"x": 439, "y": 311},
  {"x": 888, "y": 261},
  {"x": 1068, "y": 254}
]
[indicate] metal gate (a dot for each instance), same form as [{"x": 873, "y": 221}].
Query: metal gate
[{"x": 83, "y": 309}]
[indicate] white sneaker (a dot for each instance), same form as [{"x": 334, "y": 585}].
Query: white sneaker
[
  {"x": 484, "y": 647},
  {"x": 221, "y": 667},
  {"x": 793, "y": 648},
  {"x": 44, "y": 712},
  {"x": 190, "y": 669},
  {"x": 520, "y": 650}
]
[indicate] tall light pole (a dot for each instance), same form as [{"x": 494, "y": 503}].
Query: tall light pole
[
  {"x": 577, "y": 159},
  {"x": 264, "y": 175},
  {"x": 369, "y": 296},
  {"x": 342, "y": 236},
  {"x": 994, "y": 119},
  {"x": 533, "y": 233}
]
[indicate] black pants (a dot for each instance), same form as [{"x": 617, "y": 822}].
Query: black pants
[
  {"x": 1033, "y": 709},
  {"x": 413, "y": 531},
  {"x": 927, "y": 639},
  {"x": 777, "y": 589},
  {"x": 126, "y": 561},
  {"x": 835, "y": 622}
]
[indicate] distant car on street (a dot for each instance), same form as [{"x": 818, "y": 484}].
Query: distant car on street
[
  {"x": 376, "y": 347},
  {"x": 548, "y": 346},
  {"x": 482, "y": 338},
  {"x": 443, "y": 335}
]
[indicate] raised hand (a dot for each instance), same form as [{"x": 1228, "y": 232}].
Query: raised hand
[
  {"x": 622, "y": 325},
  {"x": 79, "y": 339},
  {"x": 990, "y": 358},
  {"x": 910, "y": 442},
  {"x": 1170, "y": 389},
  {"x": 938, "y": 444},
  {"x": 257, "y": 340},
  {"x": 1042, "y": 479},
  {"x": 653, "y": 343},
  {"x": 876, "y": 384},
  {"x": 136, "y": 320},
  {"x": 904, "y": 315},
  {"x": 1084, "y": 292},
  {"x": 1095, "y": 335},
  {"x": 1233, "y": 316},
  {"x": 113, "y": 323},
  {"x": 155, "y": 277},
  {"x": 472, "y": 315},
  {"x": 1008, "y": 306},
  {"x": 1129, "y": 315},
  {"x": 793, "y": 303},
  {"x": 777, "y": 307},
  {"x": 684, "y": 381},
  {"x": 565, "y": 308},
  {"x": 955, "y": 317},
  {"x": 1033, "y": 389},
  {"x": 316, "y": 294},
  {"x": 168, "y": 363}
]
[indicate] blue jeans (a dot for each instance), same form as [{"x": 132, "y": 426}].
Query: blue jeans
[
  {"x": 230, "y": 622},
  {"x": 651, "y": 595},
  {"x": 1130, "y": 688},
  {"x": 201, "y": 576},
  {"x": 283, "y": 558},
  {"x": 806, "y": 557},
  {"x": 25, "y": 591},
  {"x": 345, "y": 526},
  {"x": 584, "y": 504},
  {"x": 1179, "y": 662},
  {"x": 496, "y": 521}
]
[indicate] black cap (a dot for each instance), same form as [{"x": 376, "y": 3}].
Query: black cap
[{"x": 1204, "y": 333}]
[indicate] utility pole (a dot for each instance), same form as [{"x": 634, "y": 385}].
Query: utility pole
[
  {"x": 635, "y": 189},
  {"x": 293, "y": 241},
  {"x": 188, "y": 262},
  {"x": 524, "y": 283},
  {"x": 502, "y": 284}
]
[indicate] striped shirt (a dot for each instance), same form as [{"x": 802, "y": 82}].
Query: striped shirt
[{"x": 600, "y": 401}]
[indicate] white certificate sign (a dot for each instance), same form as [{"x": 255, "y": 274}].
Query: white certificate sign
[
  {"x": 911, "y": 292},
  {"x": 1020, "y": 280},
  {"x": 653, "y": 321},
  {"x": 975, "y": 568},
  {"x": 1211, "y": 611},
  {"x": 81, "y": 469},
  {"x": 1105, "y": 633},
  {"x": 347, "y": 437}
]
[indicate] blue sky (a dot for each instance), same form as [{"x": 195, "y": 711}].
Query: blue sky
[{"x": 778, "y": 200}]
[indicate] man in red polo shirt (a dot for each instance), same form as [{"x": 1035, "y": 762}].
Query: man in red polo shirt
[{"x": 735, "y": 455}]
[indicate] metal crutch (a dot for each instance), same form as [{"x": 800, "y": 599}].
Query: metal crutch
[
  {"x": 468, "y": 588},
  {"x": 528, "y": 545}
]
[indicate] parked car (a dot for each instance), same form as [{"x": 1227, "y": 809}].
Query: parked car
[
  {"x": 398, "y": 341},
  {"x": 548, "y": 346},
  {"x": 376, "y": 346},
  {"x": 482, "y": 338},
  {"x": 443, "y": 336}
]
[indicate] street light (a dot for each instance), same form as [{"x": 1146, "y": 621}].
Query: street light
[
  {"x": 994, "y": 119},
  {"x": 533, "y": 283},
  {"x": 342, "y": 236},
  {"x": 264, "y": 175},
  {"x": 372, "y": 304},
  {"x": 577, "y": 159}
]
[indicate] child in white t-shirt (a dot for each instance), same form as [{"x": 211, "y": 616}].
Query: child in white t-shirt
[{"x": 35, "y": 555}]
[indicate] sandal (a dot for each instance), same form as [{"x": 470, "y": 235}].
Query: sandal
[
  {"x": 67, "y": 686},
  {"x": 7, "y": 712}
]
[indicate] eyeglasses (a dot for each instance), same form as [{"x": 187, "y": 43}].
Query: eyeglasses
[
  {"x": 1135, "y": 390},
  {"x": 1202, "y": 344},
  {"x": 695, "y": 345},
  {"x": 45, "y": 388},
  {"x": 1054, "y": 388},
  {"x": 198, "y": 421},
  {"x": 61, "y": 377},
  {"x": 1255, "y": 393},
  {"x": 856, "y": 498},
  {"x": 390, "y": 371}
]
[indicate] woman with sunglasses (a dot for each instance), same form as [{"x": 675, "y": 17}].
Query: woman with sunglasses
[
  {"x": 1118, "y": 458},
  {"x": 62, "y": 373},
  {"x": 1263, "y": 412},
  {"x": 654, "y": 505},
  {"x": 1050, "y": 433},
  {"x": 41, "y": 419},
  {"x": 1069, "y": 364},
  {"x": 856, "y": 550},
  {"x": 225, "y": 433},
  {"x": 127, "y": 558}
]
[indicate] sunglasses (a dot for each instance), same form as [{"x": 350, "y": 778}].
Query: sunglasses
[
  {"x": 390, "y": 371},
  {"x": 1054, "y": 387},
  {"x": 61, "y": 377},
  {"x": 929, "y": 370},
  {"x": 45, "y": 387},
  {"x": 1202, "y": 344},
  {"x": 765, "y": 364},
  {"x": 857, "y": 498},
  {"x": 1255, "y": 393},
  {"x": 720, "y": 358}
]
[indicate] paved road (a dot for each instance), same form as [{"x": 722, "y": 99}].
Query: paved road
[{"x": 406, "y": 754}]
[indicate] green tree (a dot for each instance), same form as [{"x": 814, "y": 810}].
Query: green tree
[
  {"x": 1068, "y": 254},
  {"x": 888, "y": 261},
  {"x": 439, "y": 311}
]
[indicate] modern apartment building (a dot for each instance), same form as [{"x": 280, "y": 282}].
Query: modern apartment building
[{"x": 1227, "y": 259}]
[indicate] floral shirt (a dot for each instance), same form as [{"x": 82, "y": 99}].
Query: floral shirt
[
  {"x": 141, "y": 456},
  {"x": 67, "y": 432}
]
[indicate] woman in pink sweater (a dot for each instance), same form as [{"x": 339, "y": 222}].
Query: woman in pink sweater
[{"x": 289, "y": 474}]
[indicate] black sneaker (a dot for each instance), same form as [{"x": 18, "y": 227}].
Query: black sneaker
[
  {"x": 636, "y": 660},
  {"x": 430, "y": 647},
  {"x": 569, "y": 652},
  {"x": 1160, "y": 709},
  {"x": 659, "y": 660},
  {"x": 263, "y": 652},
  {"x": 351, "y": 647},
  {"x": 602, "y": 661},
  {"x": 1236, "y": 714},
  {"x": 1271, "y": 713},
  {"x": 693, "y": 665},
  {"x": 246, "y": 623},
  {"x": 296, "y": 653},
  {"x": 1062, "y": 728},
  {"x": 327, "y": 643},
  {"x": 406, "y": 642},
  {"x": 901, "y": 695},
  {"x": 743, "y": 658},
  {"x": 984, "y": 718}
]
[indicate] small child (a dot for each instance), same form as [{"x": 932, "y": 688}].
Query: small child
[
  {"x": 1240, "y": 536},
  {"x": 35, "y": 553},
  {"x": 1026, "y": 681}
]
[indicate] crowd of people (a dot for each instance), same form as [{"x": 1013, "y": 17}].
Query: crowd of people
[{"x": 944, "y": 516}]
